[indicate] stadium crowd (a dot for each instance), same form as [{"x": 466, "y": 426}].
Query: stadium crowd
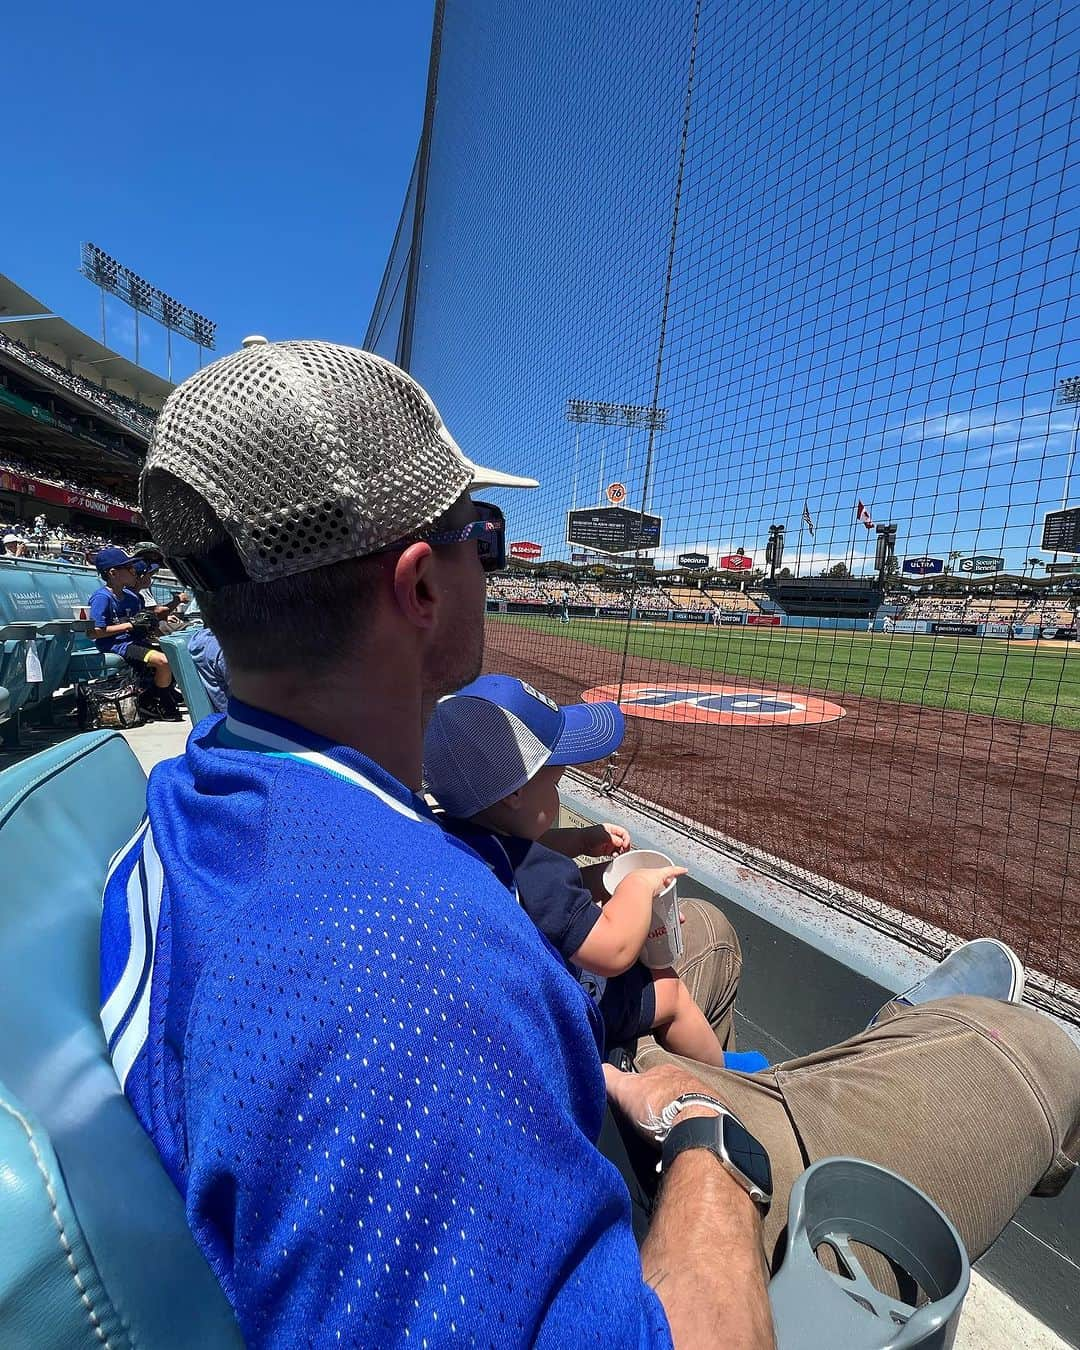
[
  {"x": 553, "y": 591},
  {"x": 29, "y": 469},
  {"x": 136, "y": 415}
]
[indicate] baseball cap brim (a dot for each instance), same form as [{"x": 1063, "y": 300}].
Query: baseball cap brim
[
  {"x": 483, "y": 477},
  {"x": 590, "y": 731}
]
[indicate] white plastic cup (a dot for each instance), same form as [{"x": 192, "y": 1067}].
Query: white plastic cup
[{"x": 664, "y": 942}]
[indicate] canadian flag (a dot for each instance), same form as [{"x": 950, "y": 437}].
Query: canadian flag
[{"x": 863, "y": 514}]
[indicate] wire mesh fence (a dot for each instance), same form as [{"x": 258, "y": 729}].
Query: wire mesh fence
[{"x": 778, "y": 304}]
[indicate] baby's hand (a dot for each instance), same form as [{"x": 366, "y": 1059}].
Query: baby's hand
[
  {"x": 610, "y": 840},
  {"x": 660, "y": 878},
  {"x": 603, "y": 841}
]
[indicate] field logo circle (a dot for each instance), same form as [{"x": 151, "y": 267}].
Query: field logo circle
[{"x": 727, "y": 705}]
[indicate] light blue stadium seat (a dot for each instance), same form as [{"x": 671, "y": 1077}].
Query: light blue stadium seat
[
  {"x": 95, "y": 1249},
  {"x": 24, "y": 603},
  {"x": 183, "y": 669}
]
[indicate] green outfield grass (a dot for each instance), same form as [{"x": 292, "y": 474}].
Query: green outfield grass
[{"x": 1023, "y": 682}]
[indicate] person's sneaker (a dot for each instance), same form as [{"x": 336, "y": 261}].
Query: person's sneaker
[{"x": 985, "y": 967}]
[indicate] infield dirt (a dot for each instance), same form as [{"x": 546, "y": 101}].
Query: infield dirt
[{"x": 958, "y": 819}]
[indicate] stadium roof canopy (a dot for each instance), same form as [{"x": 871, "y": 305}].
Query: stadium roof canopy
[{"x": 75, "y": 350}]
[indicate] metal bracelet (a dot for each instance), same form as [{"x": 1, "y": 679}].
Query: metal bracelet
[{"x": 662, "y": 1125}]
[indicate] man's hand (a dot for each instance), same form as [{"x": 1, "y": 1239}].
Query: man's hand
[
  {"x": 703, "y": 1254},
  {"x": 642, "y": 1096}
]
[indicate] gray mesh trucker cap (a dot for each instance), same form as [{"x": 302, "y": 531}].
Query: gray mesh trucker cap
[{"x": 307, "y": 453}]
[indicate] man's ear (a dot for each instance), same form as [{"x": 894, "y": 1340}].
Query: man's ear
[{"x": 415, "y": 586}]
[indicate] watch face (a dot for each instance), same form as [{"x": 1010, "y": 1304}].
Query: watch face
[{"x": 747, "y": 1154}]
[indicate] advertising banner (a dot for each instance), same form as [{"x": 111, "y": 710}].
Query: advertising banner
[
  {"x": 923, "y": 566},
  {"x": 580, "y": 557},
  {"x": 80, "y": 501},
  {"x": 613, "y": 529},
  {"x": 653, "y": 614},
  {"x": 735, "y": 616},
  {"x": 948, "y": 628},
  {"x": 691, "y": 616},
  {"x": 997, "y": 629},
  {"x": 612, "y": 611},
  {"x": 736, "y": 562},
  {"x": 693, "y": 562},
  {"x": 982, "y": 562},
  {"x": 763, "y": 620},
  {"x": 524, "y": 550}
]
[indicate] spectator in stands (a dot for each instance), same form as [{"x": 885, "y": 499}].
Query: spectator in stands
[
  {"x": 15, "y": 544},
  {"x": 211, "y": 665},
  {"x": 394, "y": 1160},
  {"x": 116, "y": 611}
]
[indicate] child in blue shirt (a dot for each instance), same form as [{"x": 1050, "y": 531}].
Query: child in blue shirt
[{"x": 493, "y": 756}]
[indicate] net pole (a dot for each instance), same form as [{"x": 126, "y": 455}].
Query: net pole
[{"x": 680, "y": 173}]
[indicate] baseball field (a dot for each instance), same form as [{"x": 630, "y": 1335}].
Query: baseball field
[{"x": 939, "y": 776}]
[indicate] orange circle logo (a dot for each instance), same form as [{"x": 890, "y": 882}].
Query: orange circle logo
[
  {"x": 727, "y": 705},
  {"x": 616, "y": 493}
]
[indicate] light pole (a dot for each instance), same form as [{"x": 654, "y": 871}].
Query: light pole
[{"x": 1068, "y": 396}]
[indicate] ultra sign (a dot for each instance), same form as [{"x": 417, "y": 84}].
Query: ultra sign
[{"x": 923, "y": 567}]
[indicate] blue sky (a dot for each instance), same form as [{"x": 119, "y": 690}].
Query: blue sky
[
  {"x": 874, "y": 287},
  {"x": 249, "y": 160}
]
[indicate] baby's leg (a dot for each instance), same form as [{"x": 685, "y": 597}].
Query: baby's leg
[{"x": 680, "y": 1025}]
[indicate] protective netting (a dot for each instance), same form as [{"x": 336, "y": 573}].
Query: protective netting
[{"x": 758, "y": 265}]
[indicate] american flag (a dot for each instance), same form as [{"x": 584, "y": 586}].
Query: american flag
[
  {"x": 807, "y": 519},
  {"x": 863, "y": 514}
]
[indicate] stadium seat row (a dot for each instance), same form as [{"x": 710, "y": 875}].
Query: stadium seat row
[{"x": 45, "y": 645}]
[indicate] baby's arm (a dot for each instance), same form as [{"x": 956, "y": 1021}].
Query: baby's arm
[
  {"x": 588, "y": 841},
  {"x": 616, "y": 939}
]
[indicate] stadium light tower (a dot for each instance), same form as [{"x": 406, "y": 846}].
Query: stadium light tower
[
  {"x": 774, "y": 549},
  {"x": 108, "y": 275},
  {"x": 1068, "y": 396}
]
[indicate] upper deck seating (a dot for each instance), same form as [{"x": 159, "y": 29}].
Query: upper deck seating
[{"x": 96, "y": 1249}]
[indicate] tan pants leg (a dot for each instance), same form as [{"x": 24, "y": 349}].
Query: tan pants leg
[
  {"x": 710, "y": 967},
  {"x": 974, "y": 1101}
]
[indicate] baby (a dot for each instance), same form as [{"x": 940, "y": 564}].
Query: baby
[{"x": 493, "y": 756}]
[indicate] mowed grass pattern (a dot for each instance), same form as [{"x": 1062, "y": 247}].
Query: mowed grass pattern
[{"x": 1025, "y": 682}]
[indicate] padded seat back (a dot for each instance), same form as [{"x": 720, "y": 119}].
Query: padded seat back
[
  {"x": 183, "y": 668},
  {"x": 24, "y": 600},
  {"x": 66, "y": 1129}
]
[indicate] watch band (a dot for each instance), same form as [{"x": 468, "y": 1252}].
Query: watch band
[{"x": 701, "y": 1132}]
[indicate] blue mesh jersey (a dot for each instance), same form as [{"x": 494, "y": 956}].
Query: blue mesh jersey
[{"x": 374, "y": 1083}]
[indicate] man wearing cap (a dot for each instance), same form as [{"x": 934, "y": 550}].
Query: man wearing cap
[
  {"x": 115, "y": 610},
  {"x": 376, "y": 1087}
]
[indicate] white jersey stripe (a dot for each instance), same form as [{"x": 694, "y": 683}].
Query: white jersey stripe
[
  {"x": 332, "y": 766},
  {"x": 118, "y": 1002},
  {"x": 126, "y": 1050}
]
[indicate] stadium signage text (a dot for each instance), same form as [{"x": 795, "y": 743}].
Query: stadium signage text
[
  {"x": 736, "y": 562},
  {"x": 1061, "y": 531},
  {"x": 982, "y": 562},
  {"x": 763, "y": 620},
  {"x": 949, "y": 629},
  {"x": 693, "y": 562},
  {"x": 923, "y": 567},
  {"x": 613, "y": 529},
  {"x": 616, "y": 493},
  {"x": 729, "y": 705},
  {"x": 524, "y": 550}
]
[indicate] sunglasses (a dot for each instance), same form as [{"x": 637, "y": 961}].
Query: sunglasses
[{"x": 489, "y": 531}]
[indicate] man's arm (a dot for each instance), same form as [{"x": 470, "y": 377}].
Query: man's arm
[{"x": 703, "y": 1254}]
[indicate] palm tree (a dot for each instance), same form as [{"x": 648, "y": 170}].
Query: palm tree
[{"x": 1033, "y": 563}]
